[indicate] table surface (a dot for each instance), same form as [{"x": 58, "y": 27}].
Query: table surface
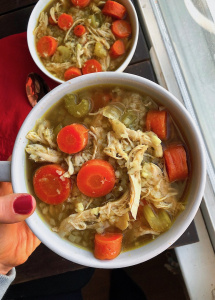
[{"x": 43, "y": 262}]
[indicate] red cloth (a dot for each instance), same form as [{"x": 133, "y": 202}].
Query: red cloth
[{"x": 16, "y": 63}]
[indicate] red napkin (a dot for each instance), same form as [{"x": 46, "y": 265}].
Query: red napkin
[{"x": 16, "y": 63}]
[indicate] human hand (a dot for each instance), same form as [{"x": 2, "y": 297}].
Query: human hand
[{"x": 16, "y": 239}]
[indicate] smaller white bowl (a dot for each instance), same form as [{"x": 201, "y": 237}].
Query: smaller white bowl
[{"x": 32, "y": 23}]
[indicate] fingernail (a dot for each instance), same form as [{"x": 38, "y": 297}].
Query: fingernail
[{"x": 23, "y": 205}]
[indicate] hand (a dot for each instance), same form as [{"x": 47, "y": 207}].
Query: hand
[{"x": 17, "y": 242}]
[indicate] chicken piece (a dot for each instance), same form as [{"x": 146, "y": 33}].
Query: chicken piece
[
  {"x": 105, "y": 62},
  {"x": 44, "y": 135},
  {"x": 94, "y": 8},
  {"x": 92, "y": 218},
  {"x": 94, "y": 36},
  {"x": 114, "y": 148},
  {"x": 41, "y": 29},
  {"x": 122, "y": 222},
  {"x": 79, "y": 53},
  {"x": 54, "y": 11},
  {"x": 71, "y": 170},
  {"x": 142, "y": 230},
  {"x": 98, "y": 141},
  {"x": 144, "y": 138},
  {"x": 156, "y": 188},
  {"x": 134, "y": 166},
  {"x": 88, "y": 48},
  {"x": 39, "y": 153}
]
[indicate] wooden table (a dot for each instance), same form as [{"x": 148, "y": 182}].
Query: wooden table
[{"x": 43, "y": 262}]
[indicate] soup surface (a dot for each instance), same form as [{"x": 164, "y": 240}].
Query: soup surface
[
  {"x": 82, "y": 36},
  {"x": 108, "y": 169}
]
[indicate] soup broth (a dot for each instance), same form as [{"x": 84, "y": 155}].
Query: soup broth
[{"x": 146, "y": 193}]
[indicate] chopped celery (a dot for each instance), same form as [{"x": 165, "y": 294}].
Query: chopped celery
[
  {"x": 159, "y": 222},
  {"x": 112, "y": 112},
  {"x": 94, "y": 21},
  {"x": 100, "y": 50},
  {"x": 76, "y": 110},
  {"x": 62, "y": 54},
  {"x": 128, "y": 118}
]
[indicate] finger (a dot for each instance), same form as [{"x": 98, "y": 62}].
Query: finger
[{"x": 16, "y": 207}]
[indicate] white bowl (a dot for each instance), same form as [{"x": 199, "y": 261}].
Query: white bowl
[
  {"x": 41, "y": 4},
  {"x": 196, "y": 182}
]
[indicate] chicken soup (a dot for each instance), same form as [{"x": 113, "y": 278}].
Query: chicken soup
[
  {"x": 108, "y": 168},
  {"x": 75, "y": 37}
]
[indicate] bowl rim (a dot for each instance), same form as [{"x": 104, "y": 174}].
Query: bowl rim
[
  {"x": 135, "y": 256},
  {"x": 31, "y": 39}
]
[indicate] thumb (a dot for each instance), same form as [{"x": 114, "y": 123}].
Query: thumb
[{"x": 16, "y": 208}]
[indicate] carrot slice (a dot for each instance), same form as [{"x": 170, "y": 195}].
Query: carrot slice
[
  {"x": 114, "y": 9},
  {"x": 96, "y": 178},
  {"x": 65, "y": 21},
  {"x": 107, "y": 245},
  {"x": 79, "y": 30},
  {"x": 72, "y": 138},
  {"x": 156, "y": 121},
  {"x": 176, "y": 162},
  {"x": 121, "y": 29},
  {"x": 72, "y": 72},
  {"x": 91, "y": 66},
  {"x": 117, "y": 49},
  {"x": 100, "y": 99},
  {"x": 80, "y": 3},
  {"x": 49, "y": 184},
  {"x": 46, "y": 46}
]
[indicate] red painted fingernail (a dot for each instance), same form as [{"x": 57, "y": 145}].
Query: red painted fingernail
[{"x": 23, "y": 205}]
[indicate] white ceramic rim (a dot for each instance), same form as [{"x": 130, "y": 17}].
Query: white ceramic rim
[
  {"x": 41, "y": 4},
  {"x": 197, "y": 181}
]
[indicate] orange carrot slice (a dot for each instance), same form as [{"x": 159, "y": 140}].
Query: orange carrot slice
[
  {"x": 49, "y": 184},
  {"x": 91, "y": 66},
  {"x": 156, "y": 121},
  {"x": 107, "y": 245},
  {"x": 176, "y": 162},
  {"x": 117, "y": 49},
  {"x": 79, "y": 30},
  {"x": 80, "y": 3},
  {"x": 114, "y": 9},
  {"x": 65, "y": 21},
  {"x": 46, "y": 46},
  {"x": 72, "y": 72},
  {"x": 121, "y": 29},
  {"x": 96, "y": 178},
  {"x": 72, "y": 138}
]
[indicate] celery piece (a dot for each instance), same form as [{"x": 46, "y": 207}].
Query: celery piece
[
  {"x": 112, "y": 112},
  {"x": 94, "y": 21},
  {"x": 100, "y": 50},
  {"x": 76, "y": 110},
  {"x": 62, "y": 54},
  {"x": 159, "y": 222},
  {"x": 128, "y": 118}
]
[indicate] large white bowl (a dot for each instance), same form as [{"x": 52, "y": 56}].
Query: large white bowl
[
  {"x": 41, "y": 4},
  {"x": 196, "y": 181}
]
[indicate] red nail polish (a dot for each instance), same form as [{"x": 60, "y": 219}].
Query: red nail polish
[{"x": 23, "y": 205}]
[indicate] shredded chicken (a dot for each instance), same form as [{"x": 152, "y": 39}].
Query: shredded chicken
[
  {"x": 54, "y": 11},
  {"x": 39, "y": 153},
  {"x": 143, "y": 138},
  {"x": 134, "y": 167},
  {"x": 43, "y": 134},
  {"x": 41, "y": 29},
  {"x": 91, "y": 218}
]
